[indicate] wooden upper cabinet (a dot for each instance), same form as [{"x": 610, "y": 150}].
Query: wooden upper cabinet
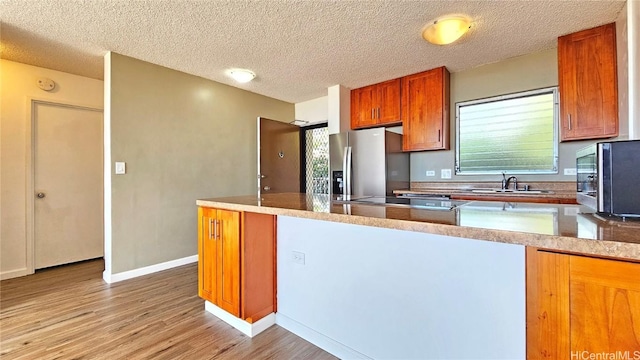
[
  {"x": 389, "y": 102},
  {"x": 362, "y": 107},
  {"x": 588, "y": 84},
  {"x": 425, "y": 110},
  {"x": 376, "y": 105}
]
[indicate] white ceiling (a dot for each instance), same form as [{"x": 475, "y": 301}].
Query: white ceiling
[{"x": 296, "y": 48}]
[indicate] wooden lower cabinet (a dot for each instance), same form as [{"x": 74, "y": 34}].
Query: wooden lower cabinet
[
  {"x": 236, "y": 261},
  {"x": 581, "y": 305}
]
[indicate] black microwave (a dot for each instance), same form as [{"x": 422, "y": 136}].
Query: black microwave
[{"x": 608, "y": 177}]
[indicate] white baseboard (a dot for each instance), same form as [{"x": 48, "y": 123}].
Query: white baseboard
[
  {"x": 246, "y": 328},
  {"x": 112, "y": 278},
  {"x": 14, "y": 273},
  {"x": 320, "y": 340}
]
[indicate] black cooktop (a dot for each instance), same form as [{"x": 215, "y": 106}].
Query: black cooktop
[{"x": 429, "y": 203}]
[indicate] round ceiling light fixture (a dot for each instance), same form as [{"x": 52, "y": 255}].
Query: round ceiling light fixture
[
  {"x": 446, "y": 30},
  {"x": 242, "y": 75}
]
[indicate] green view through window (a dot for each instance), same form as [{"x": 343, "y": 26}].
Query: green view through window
[{"x": 515, "y": 133}]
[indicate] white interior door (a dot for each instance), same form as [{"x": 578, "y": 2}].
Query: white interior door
[{"x": 68, "y": 184}]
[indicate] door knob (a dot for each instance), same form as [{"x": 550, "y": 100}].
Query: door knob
[
  {"x": 40, "y": 195},
  {"x": 267, "y": 188},
  {"x": 260, "y": 176}
]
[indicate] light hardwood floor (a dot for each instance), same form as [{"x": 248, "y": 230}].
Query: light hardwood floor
[{"x": 68, "y": 312}]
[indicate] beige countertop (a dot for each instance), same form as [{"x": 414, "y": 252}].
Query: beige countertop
[{"x": 566, "y": 228}]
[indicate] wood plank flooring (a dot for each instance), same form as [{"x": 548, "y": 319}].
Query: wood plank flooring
[{"x": 69, "y": 312}]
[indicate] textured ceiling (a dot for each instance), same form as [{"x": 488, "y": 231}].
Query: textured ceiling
[{"x": 296, "y": 48}]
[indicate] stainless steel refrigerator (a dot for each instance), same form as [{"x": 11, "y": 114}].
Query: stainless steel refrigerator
[{"x": 367, "y": 163}]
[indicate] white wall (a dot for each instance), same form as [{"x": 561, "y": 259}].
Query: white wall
[
  {"x": 313, "y": 111},
  {"x": 622, "y": 57},
  {"x": 527, "y": 72},
  {"x": 183, "y": 138},
  {"x": 633, "y": 24},
  {"x": 17, "y": 86},
  {"x": 339, "y": 108},
  {"x": 367, "y": 292}
]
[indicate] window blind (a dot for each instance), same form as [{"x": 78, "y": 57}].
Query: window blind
[{"x": 513, "y": 133}]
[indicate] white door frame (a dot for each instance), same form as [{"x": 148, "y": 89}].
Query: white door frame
[{"x": 31, "y": 168}]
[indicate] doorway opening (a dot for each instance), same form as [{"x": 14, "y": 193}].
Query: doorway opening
[{"x": 314, "y": 174}]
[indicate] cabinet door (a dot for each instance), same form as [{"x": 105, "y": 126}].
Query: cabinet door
[
  {"x": 388, "y": 102},
  {"x": 578, "y": 303},
  {"x": 362, "y": 107},
  {"x": 588, "y": 84},
  {"x": 425, "y": 109},
  {"x": 605, "y": 305},
  {"x": 228, "y": 261},
  {"x": 207, "y": 253}
]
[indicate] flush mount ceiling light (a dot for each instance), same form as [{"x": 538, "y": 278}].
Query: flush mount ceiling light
[
  {"x": 242, "y": 75},
  {"x": 446, "y": 30}
]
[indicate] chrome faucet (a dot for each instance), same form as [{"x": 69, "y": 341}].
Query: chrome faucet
[{"x": 505, "y": 182}]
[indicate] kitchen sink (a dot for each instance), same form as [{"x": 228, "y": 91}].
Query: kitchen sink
[{"x": 510, "y": 191}]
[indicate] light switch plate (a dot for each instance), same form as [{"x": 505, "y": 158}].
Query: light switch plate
[
  {"x": 430, "y": 173},
  {"x": 570, "y": 171},
  {"x": 445, "y": 173},
  {"x": 120, "y": 168}
]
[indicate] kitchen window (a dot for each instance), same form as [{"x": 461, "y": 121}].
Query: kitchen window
[{"x": 515, "y": 133}]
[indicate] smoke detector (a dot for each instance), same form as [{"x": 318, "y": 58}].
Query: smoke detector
[{"x": 46, "y": 84}]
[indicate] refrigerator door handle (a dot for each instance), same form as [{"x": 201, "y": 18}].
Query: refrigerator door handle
[
  {"x": 344, "y": 171},
  {"x": 347, "y": 173}
]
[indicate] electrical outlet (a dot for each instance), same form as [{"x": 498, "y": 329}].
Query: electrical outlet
[
  {"x": 297, "y": 257},
  {"x": 430, "y": 173},
  {"x": 571, "y": 211},
  {"x": 120, "y": 168},
  {"x": 570, "y": 171},
  {"x": 445, "y": 173}
]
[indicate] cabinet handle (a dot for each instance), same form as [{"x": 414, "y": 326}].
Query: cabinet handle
[
  {"x": 373, "y": 113},
  {"x": 378, "y": 113},
  {"x": 215, "y": 229},
  {"x": 210, "y": 227},
  {"x": 438, "y": 135},
  {"x": 569, "y": 121}
]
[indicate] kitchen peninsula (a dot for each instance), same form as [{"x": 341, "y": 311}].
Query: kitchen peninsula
[{"x": 371, "y": 281}]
